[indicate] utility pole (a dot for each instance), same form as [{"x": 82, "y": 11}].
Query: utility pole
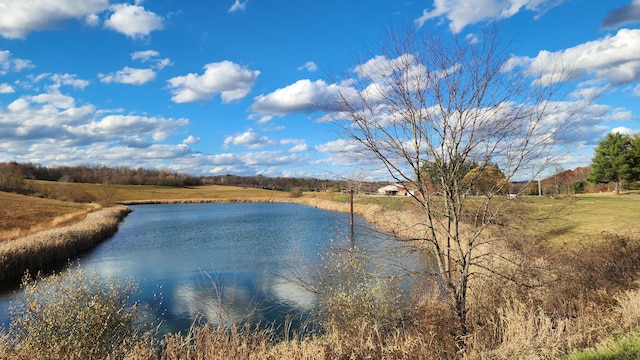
[{"x": 351, "y": 206}]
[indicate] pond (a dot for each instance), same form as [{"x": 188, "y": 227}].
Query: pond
[{"x": 232, "y": 262}]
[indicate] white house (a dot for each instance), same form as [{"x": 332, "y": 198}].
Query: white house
[{"x": 396, "y": 189}]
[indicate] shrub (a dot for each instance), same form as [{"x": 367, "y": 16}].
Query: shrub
[
  {"x": 296, "y": 192},
  {"x": 74, "y": 316}
]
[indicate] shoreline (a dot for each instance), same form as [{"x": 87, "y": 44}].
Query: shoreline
[{"x": 35, "y": 251}]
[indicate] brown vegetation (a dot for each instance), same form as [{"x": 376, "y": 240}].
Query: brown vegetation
[
  {"x": 21, "y": 215},
  {"x": 45, "y": 247},
  {"x": 560, "y": 315}
]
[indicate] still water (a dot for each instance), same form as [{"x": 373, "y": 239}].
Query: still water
[{"x": 231, "y": 262}]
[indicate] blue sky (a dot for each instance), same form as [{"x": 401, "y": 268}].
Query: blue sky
[{"x": 213, "y": 87}]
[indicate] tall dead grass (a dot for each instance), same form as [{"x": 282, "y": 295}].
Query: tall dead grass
[{"x": 36, "y": 250}]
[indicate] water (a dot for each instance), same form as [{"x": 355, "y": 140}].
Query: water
[{"x": 230, "y": 262}]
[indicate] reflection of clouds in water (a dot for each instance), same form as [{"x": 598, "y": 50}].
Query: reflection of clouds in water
[
  {"x": 292, "y": 293},
  {"x": 218, "y": 304}
]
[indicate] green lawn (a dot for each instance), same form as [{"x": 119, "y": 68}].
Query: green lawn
[{"x": 586, "y": 216}]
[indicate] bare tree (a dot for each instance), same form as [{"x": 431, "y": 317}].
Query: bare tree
[{"x": 448, "y": 103}]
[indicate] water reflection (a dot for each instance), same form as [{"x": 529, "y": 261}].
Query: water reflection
[{"x": 229, "y": 263}]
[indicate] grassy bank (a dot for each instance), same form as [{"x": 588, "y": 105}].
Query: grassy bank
[{"x": 48, "y": 246}]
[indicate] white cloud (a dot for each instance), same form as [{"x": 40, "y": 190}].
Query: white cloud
[
  {"x": 10, "y": 64},
  {"x": 69, "y": 79},
  {"x": 309, "y": 66},
  {"x": 6, "y": 88},
  {"x": 144, "y": 55},
  {"x": 238, "y": 6},
  {"x": 19, "y": 17},
  {"x": 249, "y": 139},
  {"x": 622, "y": 130},
  {"x": 129, "y": 75},
  {"x": 153, "y": 57},
  {"x": 133, "y": 20},
  {"x": 92, "y": 20},
  {"x": 113, "y": 126},
  {"x": 461, "y": 13},
  {"x": 230, "y": 80},
  {"x": 264, "y": 119},
  {"x": 55, "y": 99},
  {"x": 615, "y": 59},
  {"x": 623, "y": 15},
  {"x": 190, "y": 140},
  {"x": 299, "y": 148},
  {"x": 299, "y": 97},
  {"x": 344, "y": 152}
]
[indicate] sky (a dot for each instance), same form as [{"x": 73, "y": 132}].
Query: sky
[{"x": 211, "y": 87}]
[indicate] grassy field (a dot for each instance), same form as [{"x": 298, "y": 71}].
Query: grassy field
[
  {"x": 149, "y": 192},
  {"x": 21, "y": 215},
  {"x": 584, "y": 217}
]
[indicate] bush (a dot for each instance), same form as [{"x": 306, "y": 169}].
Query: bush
[
  {"x": 73, "y": 316},
  {"x": 296, "y": 192}
]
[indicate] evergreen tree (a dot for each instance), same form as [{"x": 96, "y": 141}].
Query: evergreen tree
[{"x": 615, "y": 160}]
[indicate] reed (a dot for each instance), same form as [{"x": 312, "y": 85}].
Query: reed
[{"x": 34, "y": 251}]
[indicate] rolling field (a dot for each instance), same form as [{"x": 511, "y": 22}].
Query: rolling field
[{"x": 21, "y": 215}]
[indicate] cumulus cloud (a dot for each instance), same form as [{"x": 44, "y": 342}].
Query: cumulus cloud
[
  {"x": 10, "y": 64},
  {"x": 248, "y": 139},
  {"x": 238, "y": 6},
  {"x": 461, "y": 13},
  {"x": 309, "y": 66},
  {"x": 303, "y": 96},
  {"x": 18, "y": 17},
  {"x": 129, "y": 75},
  {"x": 6, "y": 88},
  {"x": 623, "y": 15},
  {"x": 133, "y": 20},
  {"x": 343, "y": 152},
  {"x": 151, "y": 56},
  {"x": 70, "y": 80},
  {"x": 144, "y": 55},
  {"x": 299, "y": 147},
  {"x": 113, "y": 126},
  {"x": 614, "y": 59},
  {"x": 51, "y": 128},
  {"x": 622, "y": 130},
  {"x": 190, "y": 140},
  {"x": 230, "y": 80}
]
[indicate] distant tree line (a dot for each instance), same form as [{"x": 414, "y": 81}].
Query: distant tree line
[
  {"x": 94, "y": 175},
  {"x": 288, "y": 183},
  {"x": 14, "y": 176}
]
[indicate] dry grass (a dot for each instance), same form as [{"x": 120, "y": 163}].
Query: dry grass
[
  {"x": 124, "y": 193},
  {"x": 21, "y": 215},
  {"x": 35, "y": 250}
]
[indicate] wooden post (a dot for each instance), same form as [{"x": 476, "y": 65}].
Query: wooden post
[{"x": 351, "y": 207}]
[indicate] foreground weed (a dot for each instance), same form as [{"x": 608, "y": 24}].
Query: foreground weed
[{"x": 74, "y": 316}]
